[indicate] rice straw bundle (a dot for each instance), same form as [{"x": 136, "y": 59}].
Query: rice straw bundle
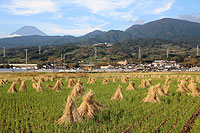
[
  {"x": 118, "y": 94},
  {"x": 70, "y": 113}
]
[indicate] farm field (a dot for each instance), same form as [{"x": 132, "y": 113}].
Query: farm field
[{"x": 152, "y": 103}]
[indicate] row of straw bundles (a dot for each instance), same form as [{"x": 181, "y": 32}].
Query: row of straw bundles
[
  {"x": 4, "y": 81},
  {"x": 91, "y": 80},
  {"x": 145, "y": 83},
  {"x": 13, "y": 89}
]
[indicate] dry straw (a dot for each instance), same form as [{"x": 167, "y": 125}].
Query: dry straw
[
  {"x": 167, "y": 80},
  {"x": 60, "y": 82},
  {"x": 181, "y": 88},
  {"x": 152, "y": 96},
  {"x": 39, "y": 87},
  {"x": 159, "y": 90},
  {"x": 77, "y": 90},
  {"x": 4, "y": 81},
  {"x": 195, "y": 90},
  {"x": 115, "y": 79},
  {"x": 70, "y": 114},
  {"x": 143, "y": 84},
  {"x": 91, "y": 80},
  {"x": 49, "y": 86},
  {"x": 131, "y": 86},
  {"x": 33, "y": 79},
  {"x": 46, "y": 78},
  {"x": 105, "y": 81},
  {"x": 149, "y": 82},
  {"x": 197, "y": 79},
  {"x": 166, "y": 89},
  {"x": 41, "y": 79},
  {"x": 191, "y": 84},
  {"x": 179, "y": 79},
  {"x": 124, "y": 79},
  {"x": 22, "y": 86},
  {"x": 57, "y": 86},
  {"x": 12, "y": 88},
  {"x": 18, "y": 81},
  {"x": 34, "y": 85},
  {"x": 71, "y": 83},
  {"x": 66, "y": 79},
  {"x": 118, "y": 94},
  {"x": 89, "y": 107},
  {"x": 187, "y": 78},
  {"x": 52, "y": 78}
]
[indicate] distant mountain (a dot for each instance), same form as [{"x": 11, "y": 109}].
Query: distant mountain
[
  {"x": 28, "y": 41},
  {"x": 114, "y": 36},
  {"x": 29, "y": 31},
  {"x": 166, "y": 28},
  {"x": 93, "y": 34}
]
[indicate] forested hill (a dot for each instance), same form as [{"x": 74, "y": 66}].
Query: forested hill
[
  {"x": 151, "y": 49},
  {"x": 167, "y": 28}
]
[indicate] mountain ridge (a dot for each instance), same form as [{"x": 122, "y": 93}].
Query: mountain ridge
[{"x": 166, "y": 28}]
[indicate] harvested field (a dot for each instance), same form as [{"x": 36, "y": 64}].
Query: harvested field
[{"x": 87, "y": 106}]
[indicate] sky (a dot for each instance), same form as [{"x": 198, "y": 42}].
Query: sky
[{"x": 78, "y": 17}]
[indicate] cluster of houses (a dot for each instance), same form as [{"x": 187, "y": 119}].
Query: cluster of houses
[
  {"x": 104, "y": 44},
  {"x": 157, "y": 66}
]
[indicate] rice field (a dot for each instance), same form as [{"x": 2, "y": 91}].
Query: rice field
[{"x": 141, "y": 109}]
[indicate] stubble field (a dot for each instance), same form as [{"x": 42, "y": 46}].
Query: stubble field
[{"x": 150, "y": 107}]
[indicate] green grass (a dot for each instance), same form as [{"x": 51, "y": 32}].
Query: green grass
[{"x": 38, "y": 111}]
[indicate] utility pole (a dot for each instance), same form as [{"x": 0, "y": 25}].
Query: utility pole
[
  {"x": 197, "y": 50},
  {"x": 39, "y": 49},
  {"x": 61, "y": 59},
  {"x": 4, "y": 51},
  {"x": 95, "y": 50},
  {"x": 26, "y": 58},
  {"x": 64, "y": 61},
  {"x": 139, "y": 56},
  {"x": 167, "y": 52},
  {"x": 54, "y": 65}
]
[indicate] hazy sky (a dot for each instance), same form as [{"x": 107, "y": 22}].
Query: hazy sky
[{"x": 77, "y": 17}]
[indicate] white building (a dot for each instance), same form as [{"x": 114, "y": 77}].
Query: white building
[
  {"x": 196, "y": 69},
  {"x": 107, "y": 67},
  {"x": 24, "y": 66}
]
